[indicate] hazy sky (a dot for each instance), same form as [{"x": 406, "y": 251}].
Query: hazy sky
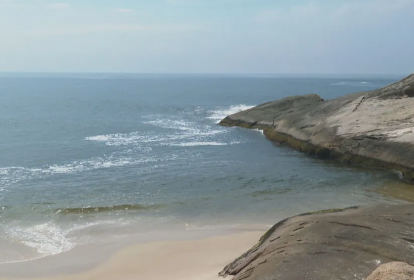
[{"x": 214, "y": 36}]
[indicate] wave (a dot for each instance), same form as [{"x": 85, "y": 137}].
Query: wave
[
  {"x": 258, "y": 131},
  {"x": 47, "y": 239},
  {"x": 220, "y": 113},
  {"x": 135, "y": 138},
  {"x": 101, "y": 209},
  {"x": 12, "y": 175},
  {"x": 183, "y": 130},
  {"x": 73, "y": 167},
  {"x": 15, "y": 173},
  {"x": 192, "y": 144},
  {"x": 267, "y": 192},
  {"x": 351, "y": 84},
  {"x": 172, "y": 124},
  {"x": 125, "y": 139}
]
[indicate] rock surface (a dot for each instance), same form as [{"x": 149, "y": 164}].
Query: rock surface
[
  {"x": 393, "y": 271},
  {"x": 332, "y": 244},
  {"x": 374, "y": 128}
]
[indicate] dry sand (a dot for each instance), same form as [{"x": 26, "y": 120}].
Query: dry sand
[{"x": 172, "y": 260}]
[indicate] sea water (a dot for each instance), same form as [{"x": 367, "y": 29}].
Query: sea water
[{"x": 89, "y": 156}]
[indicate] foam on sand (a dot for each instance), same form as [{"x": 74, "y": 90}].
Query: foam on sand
[
  {"x": 184, "y": 260},
  {"x": 45, "y": 240}
]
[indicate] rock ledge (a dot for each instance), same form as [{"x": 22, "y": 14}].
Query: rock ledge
[
  {"x": 344, "y": 244},
  {"x": 374, "y": 128}
]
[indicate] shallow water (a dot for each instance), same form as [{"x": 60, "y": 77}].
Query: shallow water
[{"x": 84, "y": 156}]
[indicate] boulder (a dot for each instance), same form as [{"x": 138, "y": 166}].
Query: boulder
[{"x": 344, "y": 244}]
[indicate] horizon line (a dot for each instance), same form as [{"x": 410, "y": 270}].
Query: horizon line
[{"x": 205, "y": 73}]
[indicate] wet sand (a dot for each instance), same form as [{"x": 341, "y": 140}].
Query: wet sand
[{"x": 200, "y": 259}]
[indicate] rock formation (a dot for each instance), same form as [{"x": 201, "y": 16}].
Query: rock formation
[
  {"x": 374, "y": 128},
  {"x": 393, "y": 271},
  {"x": 334, "y": 244}
]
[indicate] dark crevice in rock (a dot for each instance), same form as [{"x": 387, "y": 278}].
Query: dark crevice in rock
[
  {"x": 408, "y": 240},
  {"x": 359, "y": 103},
  {"x": 298, "y": 229},
  {"x": 352, "y": 225}
]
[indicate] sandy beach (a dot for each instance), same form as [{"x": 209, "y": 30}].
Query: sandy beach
[{"x": 180, "y": 260}]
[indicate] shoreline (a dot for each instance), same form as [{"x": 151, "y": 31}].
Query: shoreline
[{"x": 191, "y": 257}]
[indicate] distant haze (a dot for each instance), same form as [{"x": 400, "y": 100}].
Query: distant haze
[{"x": 208, "y": 36}]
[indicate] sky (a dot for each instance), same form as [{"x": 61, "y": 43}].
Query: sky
[{"x": 208, "y": 36}]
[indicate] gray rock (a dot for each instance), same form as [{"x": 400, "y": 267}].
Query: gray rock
[
  {"x": 374, "y": 128},
  {"x": 393, "y": 271},
  {"x": 333, "y": 244}
]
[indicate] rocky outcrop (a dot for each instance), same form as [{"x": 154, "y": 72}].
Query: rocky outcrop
[
  {"x": 374, "y": 128},
  {"x": 333, "y": 244},
  {"x": 393, "y": 271}
]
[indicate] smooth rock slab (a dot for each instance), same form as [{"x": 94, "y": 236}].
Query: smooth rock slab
[
  {"x": 393, "y": 271},
  {"x": 333, "y": 244},
  {"x": 373, "y": 128}
]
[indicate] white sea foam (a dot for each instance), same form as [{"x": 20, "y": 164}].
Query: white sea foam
[
  {"x": 182, "y": 130},
  {"x": 172, "y": 124},
  {"x": 4, "y": 171},
  {"x": 259, "y": 131},
  {"x": 222, "y": 112},
  {"x": 191, "y": 144},
  {"x": 133, "y": 138},
  {"x": 350, "y": 83},
  {"x": 86, "y": 165},
  {"x": 17, "y": 174},
  {"x": 47, "y": 239},
  {"x": 186, "y": 128}
]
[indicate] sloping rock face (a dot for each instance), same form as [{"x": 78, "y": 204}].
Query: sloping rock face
[
  {"x": 374, "y": 128},
  {"x": 393, "y": 271},
  {"x": 329, "y": 245}
]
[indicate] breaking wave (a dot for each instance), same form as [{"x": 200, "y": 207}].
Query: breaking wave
[
  {"x": 192, "y": 144},
  {"x": 100, "y": 209},
  {"x": 220, "y": 113}
]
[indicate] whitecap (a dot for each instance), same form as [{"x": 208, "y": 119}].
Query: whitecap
[
  {"x": 192, "y": 144},
  {"x": 222, "y": 112},
  {"x": 183, "y": 130},
  {"x": 87, "y": 165},
  {"x": 17, "y": 174},
  {"x": 125, "y": 139},
  {"x": 4, "y": 171},
  {"x": 172, "y": 124},
  {"x": 259, "y": 131}
]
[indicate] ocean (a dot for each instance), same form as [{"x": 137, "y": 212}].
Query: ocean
[{"x": 91, "y": 156}]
